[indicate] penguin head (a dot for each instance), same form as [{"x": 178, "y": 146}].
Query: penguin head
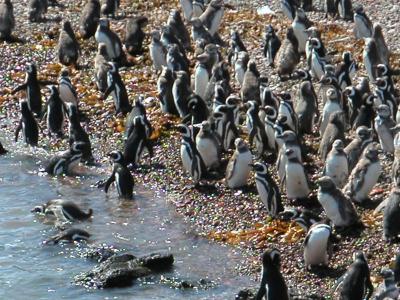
[
  {"x": 216, "y": 4},
  {"x": 315, "y": 43},
  {"x": 206, "y": 126},
  {"x": 382, "y": 83},
  {"x": 269, "y": 30},
  {"x": 271, "y": 258},
  {"x": 116, "y": 157},
  {"x": 363, "y": 132},
  {"x": 300, "y": 14},
  {"x": 260, "y": 168},
  {"x": 313, "y": 32},
  {"x": 234, "y": 36},
  {"x": 384, "y": 111},
  {"x": 332, "y": 94},
  {"x": 104, "y": 23},
  {"x": 31, "y": 69},
  {"x": 270, "y": 112},
  {"x": 359, "y": 9},
  {"x": 372, "y": 151},
  {"x": 53, "y": 90},
  {"x": 350, "y": 91},
  {"x": 184, "y": 130},
  {"x": 301, "y": 74},
  {"x": 382, "y": 70},
  {"x": 175, "y": 15},
  {"x": 338, "y": 145},
  {"x": 193, "y": 101},
  {"x": 285, "y": 97},
  {"x": 241, "y": 145},
  {"x": 211, "y": 49},
  {"x": 359, "y": 255},
  {"x": 39, "y": 209},
  {"x": 66, "y": 26},
  {"x": 377, "y": 30},
  {"x": 290, "y": 153},
  {"x": 233, "y": 101},
  {"x": 288, "y": 136},
  {"x": 113, "y": 67},
  {"x": 387, "y": 274},
  {"x": 347, "y": 57},
  {"x": 141, "y": 21},
  {"x": 64, "y": 72},
  {"x": 252, "y": 67},
  {"x": 139, "y": 121},
  {"x": 326, "y": 183}
]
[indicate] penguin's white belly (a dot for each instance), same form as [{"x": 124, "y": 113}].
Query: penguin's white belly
[
  {"x": 337, "y": 168},
  {"x": 200, "y": 81},
  {"x": 301, "y": 35},
  {"x": 262, "y": 192},
  {"x": 331, "y": 208},
  {"x": 157, "y": 57},
  {"x": 270, "y": 135},
  {"x": 208, "y": 152},
  {"x": 186, "y": 8},
  {"x": 216, "y": 21},
  {"x": 370, "y": 179},
  {"x": 362, "y": 30},
  {"x": 315, "y": 252},
  {"x": 368, "y": 66},
  {"x": 282, "y": 158},
  {"x": 103, "y": 38},
  {"x": 285, "y": 111},
  {"x": 317, "y": 66},
  {"x": 296, "y": 181},
  {"x": 186, "y": 160},
  {"x": 329, "y": 108},
  {"x": 239, "y": 73},
  {"x": 385, "y": 138},
  {"x": 242, "y": 170}
]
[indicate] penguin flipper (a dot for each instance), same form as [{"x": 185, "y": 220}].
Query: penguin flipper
[
  {"x": 108, "y": 91},
  {"x": 109, "y": 181},
  {"x": 19, "y": 88},
  {"x": 229, "y": 169},
  {"x": 19, "y": 127}
]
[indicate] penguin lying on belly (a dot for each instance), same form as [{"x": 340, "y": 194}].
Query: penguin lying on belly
[{"x": 70, "y": 235}]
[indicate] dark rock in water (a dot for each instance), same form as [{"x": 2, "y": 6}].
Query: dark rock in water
[
  {"x": 244, "y": 295},
  {"x": 121, "y": 270},
  {"x": 179, "y": 283}
]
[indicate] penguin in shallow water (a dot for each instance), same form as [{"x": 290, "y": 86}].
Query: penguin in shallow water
[
  {"x": 120, "y": 175},
  {"x": 337, "y": 165},
  {"x": 134, "y": 35},
  {"x": 383, "y": 127},
  {"x": 55, "y": 113},
  {"x": 37, "y": 10},
  {"x": 64, "y": 162},
  {"x": 29, "y": 126},
  {"x": 113, "y": 43},
  {"x": 109, "y": 7},
  {"x": 208, "y": 146},
  {"x": 69, "y": 235},
  {"x": 64, "y": 210},
  {"x": 7, "y": 20},
  {"x": 158, "y": 52},
  {"x": 272, "y": 44},
  {"x": 273, "y": 284},
  {"x": 238, "y": 169},
  {"x": 334, "y": 130},
  {"x": 267, "y": 189},
  {"x": 362, "y": 24},
  {"x": 295, "y": 179},
  {"x": 89, "y": 19},
  {"x": 68, "y": 47},
  {"x": 317, "y": 246},
  {"x": 391, "y": 215}
]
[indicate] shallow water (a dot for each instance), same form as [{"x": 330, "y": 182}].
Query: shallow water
[{"x": 29, "y": 269}]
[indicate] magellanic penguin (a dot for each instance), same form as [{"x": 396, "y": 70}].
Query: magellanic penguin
[
  {"x": 355, "y": 100},
  {"x": 337, "y": 206},
  {"x": 383, "y": 50},
  {"x": 391, "y": 215},
  {"x": 385, "y": 96},
  {"x": 29, "y": 126},
  {"x": 314, "y": 32},
  {"x": 176, "y": 23},
  {"x": 2, "y": 150},
  {"x": 383, "y": 70},
  {"x": 273, "y": 284},
  {"x": 134, "y": 35},
  {"x": 383, "y": 125},
  {"x": 138, "y": 109},
  {"x": 63, "y": 210},
  {"x": 37, "y": 10},
  {"x": 337, "y": 165},
  {"x": 288, "y": 56},
  {"x": 238, "y": 169},
  {"x": 334, "y": 130},
  {"x": 345, "y": 70},
  {"x": 317, "y": 62},
  {"x": 158, "y": 52},
  {"x": 200, "y": 32},
  {"x": 68, "y": 47},
  {"x": 371, "y": 58},
  {"x": 317, "y": 246},
  {"x": 66, "y": 90},
  {"x": 267, "y": 189},
  {"x": 388, "y": 288},
  {"x": 295, "y": 178},
  {"x": 181, "y": 91},
  {"x": 251, "y": 84},
  {"x": 63, "y": 163},
  {"x": 109, "y": 7},
  {"x": 212, "y": 16},
  {"x": 201, "y": 76},
  {"x": 219, "y": 72},
  {"x": 241, "y": 66},
  {"x": 354, "y": 149},
  {"x": 101, "y": 67},
  {"x": 69, "y": 235},
  {"x": 165, "y": 83},
  {"x": 272, "y": 44},
  {"x": 208, "y": 146},
  {"x": 89, "y": 19},
  {"x": 345, "y": 9},
  {"x": 289, "y": 140},
  {"x": 330, "y": 8},
  {"x": 364, "y": 176},
  {"x": 226, "y": 125},
  {"x": 7, "y": 20},
  {"x": 395, "y": 172},
  {"x": 116, "y": 87},
  {"x": 176, "y": 60},
  {"x": 288, "y": 8},
  {"x": 286, "y": 109},
  {"x": 270, "y": 128},
  {"x": 137, "y": 142},
  {"x": 362, "y": 24},
  {"x": 300, "y": 24},
  {"x": 236, "y": 46},
  {"x": 55, "y": 113},
  {"x": 256, "y": 129},
  {"x": 332, "y": 105},
  {"x": 356, "y": 283},
  {"x": 197, "y": 110},
  {"x": 120, "y": 175}
]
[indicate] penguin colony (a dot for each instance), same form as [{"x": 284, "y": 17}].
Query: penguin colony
[{"x": 225, "y": 107}]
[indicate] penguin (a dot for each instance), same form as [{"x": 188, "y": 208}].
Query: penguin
[
  {"x": 89, "y": 19},
  {"x": 181, "y": 91},
  {"x": 387, "y": 289},
  {"x": 371, "y": 58},
  {"x": 332, "y": 105},
  {"x": 241, "y": 66},
  {"x": 66, "y": 90},
  {"x": 116, "y": 87},
  {"x": 237, "y": 46},
  {"x": 366, "y": 113},
  {"x": 158, "y": 52},
  {"x": 120, "y": 175},
  {"x": 226, "y": 127},
  {"x": 2, "y": 150},
  {"x": 345, "y": 70},
  {"x": 198, "y": 110},
  {"x": 137, "y": 142},
  {"x": 238, "y": 168},
  {"x": 273, "y": 284},
  {"x": 219, "y": 72},
  {"x": 208, "y": 146},
  {"x": 69, "y": 235},
  {"x": 299, "y": 25},
  {"x": 165, "y": 83},
  {"x": 191, "y": 159},
  {"x": 345, "y": 9},
  {"x": 355, "y": 100},
  {"x": 7, "y": 20},
  {"x": 364, "y": 176},
  {"x": 267, "y": 97},
  {"x": 55, "y": 113},
  {"x": 178, "y": 27},
  {"x": 210, "y": 57},
  {"x": 64, "y": 162},
  {"x": 201, "y": 76},
  {"x": 385, "y": 96},
  {"x": 295, "y": 178},
  {"x": 200, "y": 32},
  {"x": 101, "y": 67},
  {"x": 317, "y": 62},
  {"x": 288, "y": 8},
  {"x": 134, "y": 35},
  {"x": 64, "y": 210},
  {"x": 176, "y": 61},
  {"x": 317, "y": 246},
  {"x": 29, "y": 126},
  {"x": 286, "y": 109},
  {"x": 303, "y": 217},
  {"x": 197, "y": 8},
  {"x": 187, "y": 9},
  {"x": 109, "y": 7},
  {"x": 362, "y": 24},
  {"x": 268, "y": 190},
  {"x": 356, "y": 282},
  {"x": 256, "y": 129},
  {"x": 336, "y": 164},
  {"x": 168, "y": 38},
  {"x": 383, "y": 70},
  {"x": 68, "y": 47},
  {"x": 330, "y": 8},
  {"x": 383, "y": 50},
  {"x": 337, "y": 206},
  {"x": 391, "y": 215},
  {"x": 289, "y": 140},
  {"x": 354, "y": 149},
  {"x": 212, "y": 16},
  {"x": 272, "y": 45},
  {"x": 334, "y": 130},
  {"x": 251, "y": 83},
  {"x": 269, "y": 121},
  {"x": 314, "y": 32},
  {"x": 383, "y": 124},
  {"x": 37, "y": 9},
  {"x": 137, "y": 110},
  {"x": 288, "y": 56}
]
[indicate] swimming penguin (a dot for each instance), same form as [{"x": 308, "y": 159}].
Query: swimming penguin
[
  {"x": 66, "y": 90},
  {"x": 256, "y": 129},
  {"x": 295, "y": 178},
  {"x": 137, "y": 142},
  {"x": 89, "y": 19},
  {"x": 176, "y": 23},
  {"x": 198, "y": 110},
  {"x": 383, "y": 50},
  {"x": 391, "y": 215},
  {"x": 332, "y": 105},
  {"x": 288, "y": 8},
  {"x": 272, "y": 45},
  {"x": 299, "y": 25},
  {"x": 64, "y": 210},
  {"x": 334, "y": 130},
  {"x": 337, "y": 206},
  {"x": 356, "y": 281},
  {"x": 241, "y": 66},
  {"x": 116, "y": 87},
  {"x": 371, "y": 58},
  {"x": 364, "y": 176},
  {"x": 212, "y": 16},
  {"x": 68, "y": 47},
  {"x": 238, "y": 169},
  {"x": 268, "y": 190},
  {"x": 120, "y": 175},
  {"x": 29, "y": 126},
  {"x": 69, "y": 235},
  {"x": 273, "y": 284},
  {"x": 137, "y": 110},
  {"x": 64, "y": 162},
  {"x": 7, "y": 20},
  {"x": 387, "y": 289},
  {"x": 385, "y": 96},
  {"x": 362, "y": 24},
  {"x": 134, "y": 35},
  {"x": 288, "y": 56},
  {"x": 383, "y": 124},
  {"x": 317, "y": 246},
  {"x": 208, "y": 146},
  {"x": 337, "y": 165},
  {"x": 176, "y": 61},
  {"x": 345, "y": 9},
  {"x": 201, "y": 76},
  {"x": 2, "y": 150},
  {"x": 37, "y": 9},
  {"x": 158, "y": 52},
  {"x": 181, "y": 90},
  {"x": 251, "y": 83},
  {"x": 345, "y": 70},
  {"x": 164, "y": 87},
  {"x": 101, "y": 67},
  {"x": 55, "y": 113},
  {"x": 109, "y": 7}
]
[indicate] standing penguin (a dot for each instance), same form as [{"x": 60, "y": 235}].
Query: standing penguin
[
  {"x": 383, "y": 50},
  {"x": 37, "y": 9},
  {"x": 197, "y": 110},
  {"x": 212, "y": 16},
  {"x": 272, "y": 45},
  {"x": 345, "y": 70},
  {"x": 164, "y": 87},
  {"x": 356, "y": 280},
  {"x": 385, "y": 96},
  {"x": 237, "y": 46},
  {"x": 117, "y": 89},
  {"x": 334, "y": 130},
  {"x": 68, "y": 46},
  {"x": 55, "y": 113},
  {"x": 29, "y": 126},
  {"x": 288, "y": 56},
  {"x": 89, "y": 19},
  {"x": 121, "y": 175},
  {"x": 238, "y": 169},
  {"x": 251, "y": 84},
  {"x": 330, "y": 8},
  {"x": 7, "y": 20},
  {"x": 362, "y": 24},
  {"x": 226, "y": 127},
  {"x": 256, "y": 128},
  {"x": 181, "y": 91},
  {"x": 134, "y": 35},
  {"x": 101, "y": 67},
  {"x": 364, "y": 176},
  {"x": 109, "y": 7},
  {"x": 241, "y": 66},
  {"x": 316, "y": 61},
  {"x": 295, "y": 179},
  {"x": 332, "y": 105},
  {"x": 208, "y": 146},
  {"x": 158, "y": 52},
  {"x": 306, "y": 106},
  {"x": 178, "y": 27},
  {"x": 371, "y": 58},
  {"x": 336, "y": 164},
  {"x": 201, "y": 76},
  {"x": 65, "y": 161},
  {"x": 391, "y": 215},
  {"x": 337, "y": 207},
  {"x": 289, "y": 140},
  {"x": 383, "y": 125},
  {"x": 176, "y": 60},
  {"x": 137, "y": 110},
  {"x": 300, "y": 24},
  {"x": 66, "y": 90},
  {"x": 273, "y": 284},
  {"x": 267, "y": 189},
  {"x": 317, "y": 246},
  {"x": 345, "y": 9}
]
